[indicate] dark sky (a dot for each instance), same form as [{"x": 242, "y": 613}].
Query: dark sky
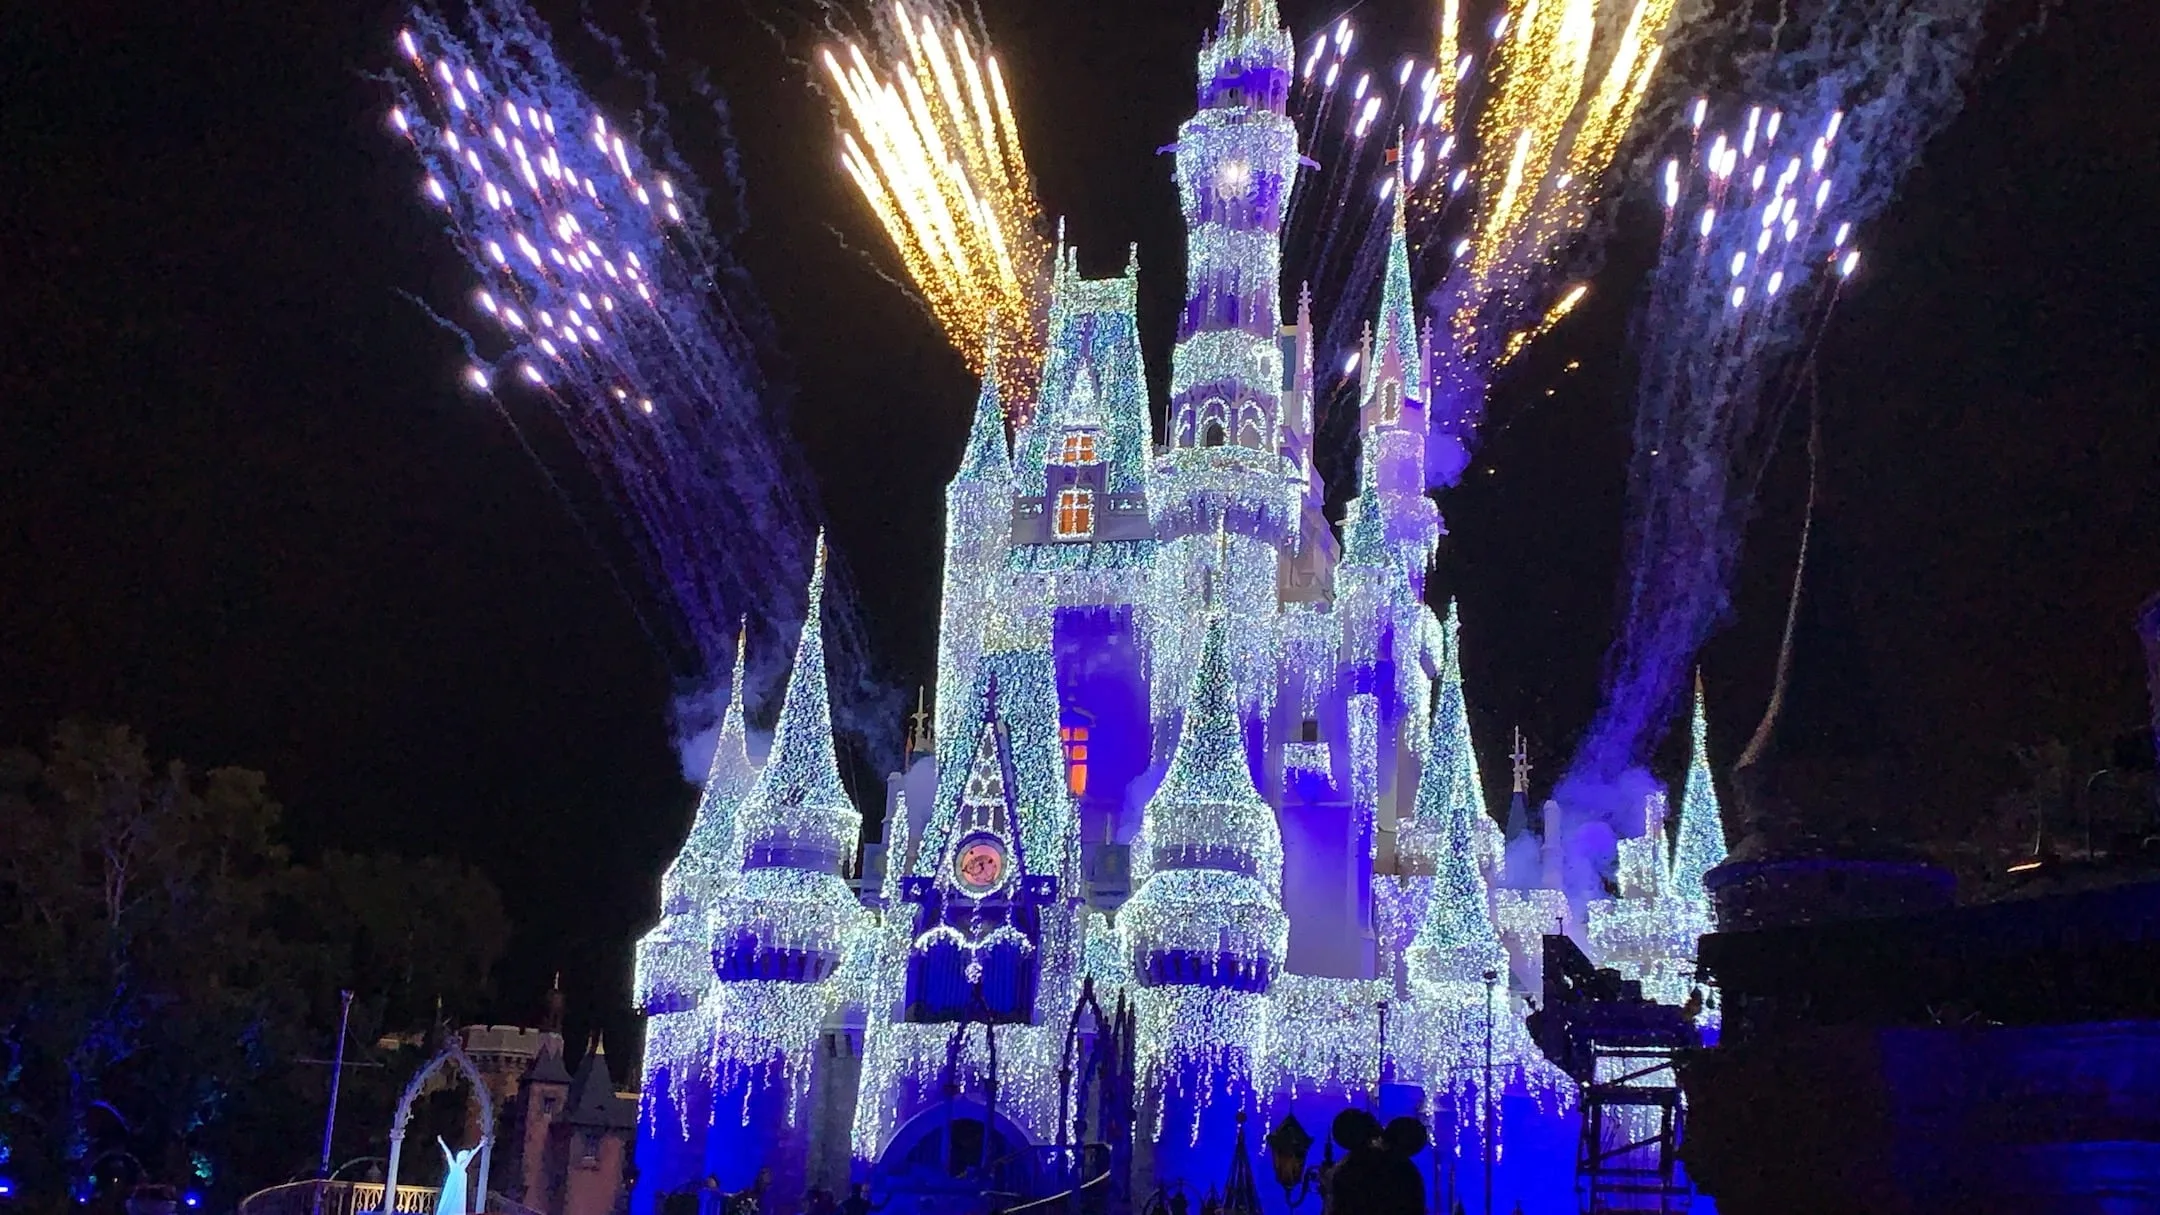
[{"x": 243, "y": 508}]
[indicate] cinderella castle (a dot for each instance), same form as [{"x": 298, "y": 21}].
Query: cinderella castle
[{"x": 1201, "y": 785}]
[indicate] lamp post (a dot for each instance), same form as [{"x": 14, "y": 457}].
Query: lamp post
[
  {"x": 1288, "y": 1145},
  {"x": 337, "y": 1074},
  {"x": 1485, "y": 1093}
]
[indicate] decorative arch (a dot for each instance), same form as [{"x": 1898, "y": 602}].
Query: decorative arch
[
  {"x": 924, "y": 1141},
  {"x": 1252, "y": 425},
  {"x": 1214, "y": 422},
  {"x": 452, "y": 1054}
]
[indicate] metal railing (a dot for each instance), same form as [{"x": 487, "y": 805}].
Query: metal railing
[{"x": 357, "y": 1198}]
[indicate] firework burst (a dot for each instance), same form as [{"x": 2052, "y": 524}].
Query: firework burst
[{"x": 928, "y": 139}]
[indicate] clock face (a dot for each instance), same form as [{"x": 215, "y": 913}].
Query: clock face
[{"x": 979, "y": 866}]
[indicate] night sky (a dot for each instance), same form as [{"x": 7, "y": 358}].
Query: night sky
[{"x": 244, "y": 508}]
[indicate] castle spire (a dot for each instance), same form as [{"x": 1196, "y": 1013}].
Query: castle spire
[
  {"x": 1701, "y": 846},
  {"x": 1397, "y": 334},
  {"x": 801, "y": 778},
  {"x": 986, "y": 460},
  {"x": 712, "y": 833},
  {"x": 1209, "y": 766}
]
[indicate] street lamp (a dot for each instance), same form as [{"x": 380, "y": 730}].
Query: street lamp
[{"x": 1288, "y": 1145}]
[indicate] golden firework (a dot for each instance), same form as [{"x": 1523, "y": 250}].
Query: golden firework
[
  {"x": 1569, "y": 76},
  {"x": 929, "y": 141}
]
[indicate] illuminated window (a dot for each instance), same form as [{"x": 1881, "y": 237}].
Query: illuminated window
[
  {"x": 1391, "y": 402},
  {"x": 1075, "y": 514},
  {"x": 1075, "y": 739},
  {"x": 1078, "y": 448}
]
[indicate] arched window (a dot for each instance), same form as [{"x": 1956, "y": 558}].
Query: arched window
[
  {"x": 1078, "y": 448},
  {"x": 1391, "y": 402},
  {"x": 1075, "y": 513},
  {"x": 1213, "y": 437}
]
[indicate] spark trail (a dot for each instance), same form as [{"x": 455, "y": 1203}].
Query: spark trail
[
  {"x": 1760, "y": 220},
  {"x": 1504, "y": 157},
  {"x": 929, "y": 141},
  {"x": 597, "y": 292}
]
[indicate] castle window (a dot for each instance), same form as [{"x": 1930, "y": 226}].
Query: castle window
[
  {"x": 1078, "y": 448},
  {"x": 1075, "y": 514},
  {"x": 1213, "y": 437},
  {"x": 1309, "y": 730},
  {"x": 1391, "y": 402},
  {"x": 1075, "y": 739}
]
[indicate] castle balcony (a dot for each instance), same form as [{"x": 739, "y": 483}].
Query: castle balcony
[
  {"x": 673, "y": 967},
  {"x": 745, "y": 957},
  {"x": 1246, "y": 491},
  {"x": 784, "y": 926},
  {"x": 1225, "y": 970}
]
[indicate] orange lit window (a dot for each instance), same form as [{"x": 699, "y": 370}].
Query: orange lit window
[
  {"x": 1078, "y": 448},
  {"x": 1075, "y": 740},
  {"x": 1075, "y": 514}
]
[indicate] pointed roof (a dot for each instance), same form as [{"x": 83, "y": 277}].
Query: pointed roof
[
  {"x": 1396, "y": 339},
  {"x": 986, "y": 461},
  {"x": 1701, "y": 846},
  {"x": 732, "y": 772},
  {"x": 802, "y": 768},
  {"x": 547, "y": 1066},
  {"x": 1209, "y": 765},
  {"x": 592, "y": 1100}
]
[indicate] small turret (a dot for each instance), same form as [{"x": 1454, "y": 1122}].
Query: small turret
[
  {"x": 1456, "y": 942},
  {"x": 799, "y": 829}
]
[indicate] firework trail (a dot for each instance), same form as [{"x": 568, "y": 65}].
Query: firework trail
[
  {"x": 597, "y": 285},
  {"x": 1760, "y": 219},
  {"x": 1502, "y": 158},
  {"x": 928, "y": 139}
]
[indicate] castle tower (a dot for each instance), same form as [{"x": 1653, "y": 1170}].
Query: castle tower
[{"x": 1224, "y": 468}]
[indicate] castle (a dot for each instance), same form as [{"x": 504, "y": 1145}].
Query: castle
[{"x": 1189, "y": 747}]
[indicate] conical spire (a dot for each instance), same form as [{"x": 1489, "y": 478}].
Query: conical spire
[
  {"x": 802, "y": 774},
  {"x": 711, "y": 856},
  {"x": 1242, "y": 17},
  {"x": 1456, "y": 940},
  {"x": 1701, "y": 846},
  {"x": 986, "y": 460},
  {"x": 1397, "y": 333},
  {"x": 1209, "y": 766}
]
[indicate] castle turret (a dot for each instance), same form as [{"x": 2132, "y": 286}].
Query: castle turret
[
  {"x": 1393, "y": 401},
  {"x": 1206, "y": 925},
  {"x": 778, "y": 937},
  {"x": 673, "y": 959},
  {"x": 1456, "y": 942},
  {"x": 978, "y": 532}
]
